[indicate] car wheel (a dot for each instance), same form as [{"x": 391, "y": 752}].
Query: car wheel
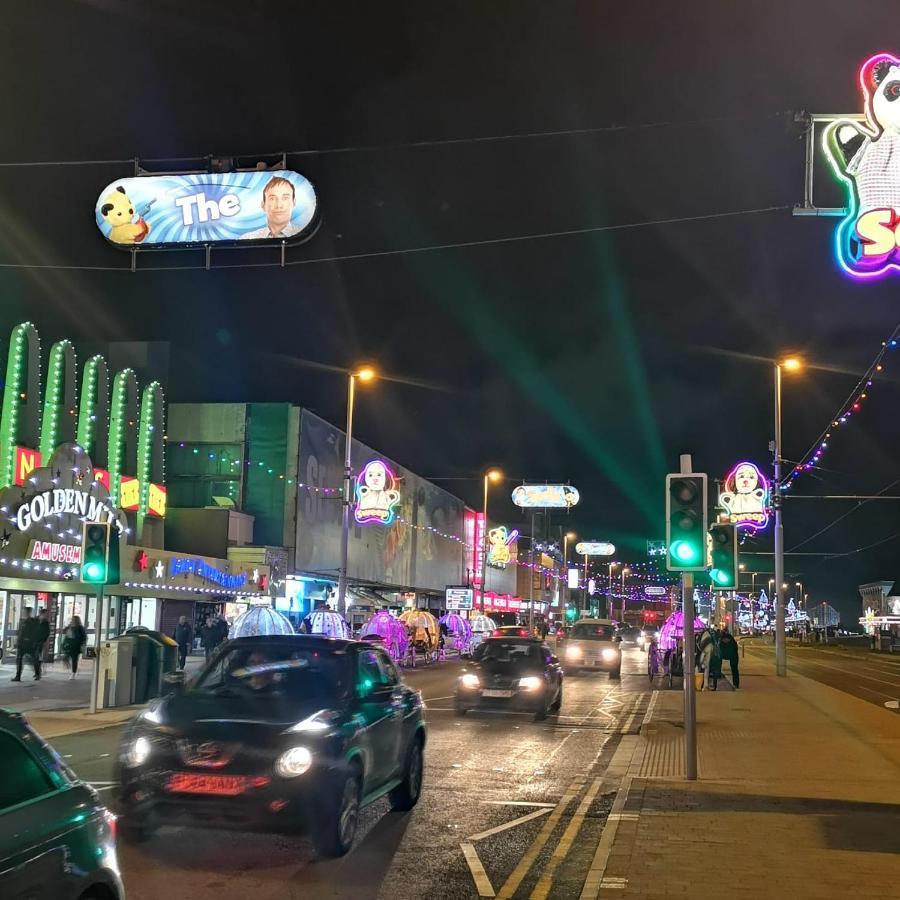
[
  {"x": 557, "y": 703},
  {"x": 339, "y": 831},
  {"x": 406, "y": 794}
]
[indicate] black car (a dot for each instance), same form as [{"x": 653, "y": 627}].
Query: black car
[
  {"x": 282, "y": 733},
  {"x": 629, "y": 636},
  {"x": 56, "y": 838},
  {"x": 516, "y": 673}
]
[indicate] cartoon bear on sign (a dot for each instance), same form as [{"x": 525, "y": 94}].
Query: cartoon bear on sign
[
  {"x": 118, "y": 211},
  {"x": 866, "y": 156}
]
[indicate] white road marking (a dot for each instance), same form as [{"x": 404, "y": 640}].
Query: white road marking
[
  {"x": 479, "y": 876},
  {"x": 434, "y": 699},
  {"x": 515, "y": 803},
  {"x": 650, "y": 709},
  {"x": 512, "y": 824},
  {"x": 893, "y": 704},
  {"x": 862, "y": 687}
]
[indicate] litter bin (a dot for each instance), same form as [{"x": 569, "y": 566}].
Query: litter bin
[
  {"x": 116, "y": 673},
  {"x": 156, "y": 654}
]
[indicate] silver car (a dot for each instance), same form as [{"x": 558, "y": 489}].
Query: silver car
[{"x": 593, "y": 644}]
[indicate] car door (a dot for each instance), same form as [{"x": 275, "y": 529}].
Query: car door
[
  {"x": 35, "y": 828},
  {"x": 382, "y": 713},
  {"x": 396, "y": 735}
]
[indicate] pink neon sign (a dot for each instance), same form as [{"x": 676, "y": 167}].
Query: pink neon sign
[
  {"x": 376, "y": 494},
  {"x": 746, "y": 497}
]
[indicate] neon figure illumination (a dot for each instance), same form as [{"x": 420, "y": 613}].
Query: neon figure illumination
[
  {"x": 376, "y": 494},
  {"x": 866, "y": 158},
  {"x": 746, "y": 497}
]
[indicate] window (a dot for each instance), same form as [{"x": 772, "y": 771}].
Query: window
[
  {"x": 24, "y": 779},
  {"x": 371, "y": 672},
  {"x": 391, "y": 675}
]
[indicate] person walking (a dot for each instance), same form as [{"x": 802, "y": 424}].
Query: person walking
[
  {"x": 26, "y": 641},
  {"x": 728, "y": 648},
  {"x": 184, "y": 637},
  {"x": 74, "y": 639},
  {"x": 209, "y": 636},
  {"x": 43, "y": 635}
]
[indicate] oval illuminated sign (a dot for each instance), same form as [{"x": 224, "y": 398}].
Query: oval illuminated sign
[
  {"x": 159, "y": 211},
  {"x": 595, "y": 548},
  {"x": 543, "y": 496}
]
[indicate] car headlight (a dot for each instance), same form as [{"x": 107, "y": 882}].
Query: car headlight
[
  {"x": 574, "y": 652},
  {"x": 531, "y": 683},
  {"x": 609, "y": 654},
  {"x": 469, "y": 680},
  {"x": 139, "y": 752},
  {"x": 293, "y": 762}
]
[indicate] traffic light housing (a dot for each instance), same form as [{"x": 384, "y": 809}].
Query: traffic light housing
[
  {"x": 686, "y": 522},
  {"x": 99, "y": 553},
  {"x": 723, "y": 564}
]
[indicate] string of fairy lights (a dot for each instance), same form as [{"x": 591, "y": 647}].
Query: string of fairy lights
[{"x": 849, "y": 410}]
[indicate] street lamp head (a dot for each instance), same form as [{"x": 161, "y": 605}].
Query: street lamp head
[
  {"x": 570, "y": 535},
  {"x": 791, "y": 364},
  {"x": 493, "y": 475},
  {"x": 365, "y": 373},
  {"x": 742, "y": 566}
]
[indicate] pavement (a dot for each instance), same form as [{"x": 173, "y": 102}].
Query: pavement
[{"x": 798, "y": 796}]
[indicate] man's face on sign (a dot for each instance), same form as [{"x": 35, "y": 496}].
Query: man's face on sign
[{"x": 278, "y": 204}]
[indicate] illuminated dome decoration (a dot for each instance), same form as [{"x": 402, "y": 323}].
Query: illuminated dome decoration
[
  {"x": 673, "y": 630},
  {"x": 258, "y": 621},
  {"x": 422, "y": 628},
  {"x": 387, "y": 630},
  {"x": 482, "y": 626},
  {"x": 329, "y": 623},
  {"x": 459, "y": 631}
]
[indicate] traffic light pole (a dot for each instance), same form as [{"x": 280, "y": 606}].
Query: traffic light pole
[
  {"x": 690, "y": 695},
  {"x": 101, "y": 620}
]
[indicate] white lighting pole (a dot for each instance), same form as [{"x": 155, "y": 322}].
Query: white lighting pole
[{"x": 363, "y": 374}]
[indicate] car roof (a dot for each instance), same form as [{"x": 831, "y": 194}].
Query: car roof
[
  {"x": 320, "y": 641},
  {"x": 518, "y": 638}
]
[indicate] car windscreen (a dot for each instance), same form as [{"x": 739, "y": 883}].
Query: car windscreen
[
  {"x": 513, "y": 652},
  {"x": 583, "y": 631},
  {"x": 270, "y": 671}
]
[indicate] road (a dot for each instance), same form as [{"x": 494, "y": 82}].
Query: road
[
  {"x": 510, "y": 806},
  {"x": 874, "y": 677}
]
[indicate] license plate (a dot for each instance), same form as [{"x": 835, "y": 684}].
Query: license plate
[
  {"x": 222, "y": 785},
  {"x": 496, "y": 693}
]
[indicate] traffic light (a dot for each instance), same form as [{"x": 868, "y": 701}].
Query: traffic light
[
  {"x": 95, "y": 540},
  {"x": 723, "y": 564},
  {"x": 686, "y": 522},
  {"x": 571, "y": 612}
]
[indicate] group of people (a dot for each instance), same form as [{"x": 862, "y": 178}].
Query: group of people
[
  {"x": 32, "y": 637},
  {"x": 213, "y": 631},
  {"x": 713, "y": 648}
]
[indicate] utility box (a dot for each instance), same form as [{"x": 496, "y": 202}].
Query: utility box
[
  {"x": 155, "y": 655},
  {"x": 116, "y": 673}
]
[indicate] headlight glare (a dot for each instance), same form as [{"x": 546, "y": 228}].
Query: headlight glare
[
  {"x": 139, "y": 752},
  {"x": 609, "y": 654},
  {"x": 573, "y": 652},
  {"x": 531, "y": 683},
  {"x": 293, "y": 762},
  {"x": 469, "y": 680}
]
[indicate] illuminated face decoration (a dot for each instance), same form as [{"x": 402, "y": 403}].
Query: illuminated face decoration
[
  {"x": 376, "y": 494},
  {"x": 746, "y": 497},
  {"x": 866, "y": 158}
]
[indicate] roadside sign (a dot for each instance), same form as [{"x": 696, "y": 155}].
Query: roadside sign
[{"x": 460, "y": 597}]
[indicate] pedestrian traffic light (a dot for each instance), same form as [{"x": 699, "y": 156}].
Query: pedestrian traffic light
[
  {"x": 94, "y": 553},
  {"x": 686, "y": 522},
  {"x": 723, "y": 569}
]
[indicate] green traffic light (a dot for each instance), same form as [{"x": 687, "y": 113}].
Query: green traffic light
[
  {"x": 685, "y": 552},
  {"x": 721, "y": 577},
  {"x": 92, "y": 572}
]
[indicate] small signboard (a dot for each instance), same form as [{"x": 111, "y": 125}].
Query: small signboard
[
  {"x": 655, "y": 590},
  {"x": 460, "y": 598},
  {"x": 595, "y": 548},
  {"x": 545, "y": 496}
]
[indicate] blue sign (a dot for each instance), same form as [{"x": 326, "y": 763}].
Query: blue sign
[
  {"x": 157, "y": 211},
  {"x": 180, "y": 565}
]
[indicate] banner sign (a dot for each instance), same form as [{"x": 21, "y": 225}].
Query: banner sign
[
  {"x": 595, "y": 548},
  {"x": 376, "y": 494},
  {"x": 543, "y": 496},
  {"x": 864, "y": 157},
  {"x": 746, "y": 497},
  {"x": 159, "y": 211}
]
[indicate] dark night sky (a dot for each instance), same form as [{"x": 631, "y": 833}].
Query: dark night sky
[{"x": 596, "y": 358}]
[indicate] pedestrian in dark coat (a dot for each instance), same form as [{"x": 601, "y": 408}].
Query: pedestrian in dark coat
[
  {"x": 728, "y": 649},
  {"x": 26, "y": 644},
  {"x": 74, "y": 639},
  {"x": 184, "y": 637},
  {"x": 209, "y": 636}
]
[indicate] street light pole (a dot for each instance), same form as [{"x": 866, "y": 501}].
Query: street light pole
[
  {"x": 489, "y": 476},
  {"x": 610, "y": 606},
  {"x": 585, "y": 601},
  {"x": 624, "y": 573},
  {"x": 365, "y": 373},
  {"x": 780, "y": 642}
]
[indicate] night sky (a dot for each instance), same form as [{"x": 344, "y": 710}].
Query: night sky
[{"x": 594, "y": 357}]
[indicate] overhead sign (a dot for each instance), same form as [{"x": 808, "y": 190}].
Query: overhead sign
[
  {"x": 159, "y": 211},
  {"x": 864, "y": 157},
  {"x": 655, "y": 590},
  {"x": 595, "y": 548},
  {"x": 459, "y": 598},
  {"x": 543, "y": 496},
  {"x": 180, "y": 565},
  {"x": 376, "y": 494},
  {"x": 745, "y": 497}
]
